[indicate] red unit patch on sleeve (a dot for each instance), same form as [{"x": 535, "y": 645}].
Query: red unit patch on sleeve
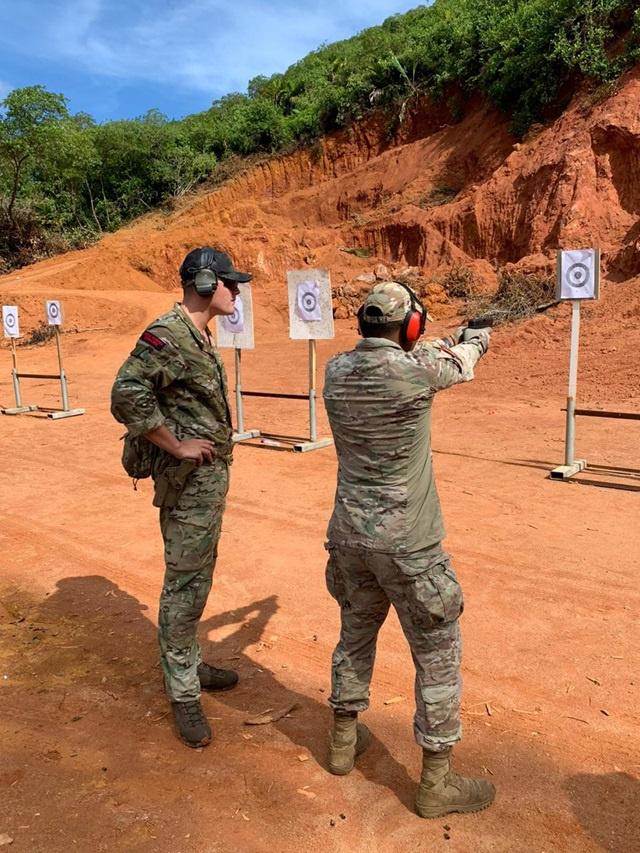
[{"x": 150, "y": 339}]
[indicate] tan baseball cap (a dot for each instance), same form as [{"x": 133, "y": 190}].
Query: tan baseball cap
[{"x": 389, "y": 302}]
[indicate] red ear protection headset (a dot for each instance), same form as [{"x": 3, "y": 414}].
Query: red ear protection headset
[{"x": 414, "y": 320}]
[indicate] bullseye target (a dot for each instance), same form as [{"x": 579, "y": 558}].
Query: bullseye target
[
  {"x": 54, "y": 312},
  {"x": 236, "y": 330},
  {"x": 10, "y": 323},
  {"x": 310, "y": 304},
  {"x": 235, "y": 323},
  {"x": 308, "y": 301},
  {"x": 578, "y": 274}
]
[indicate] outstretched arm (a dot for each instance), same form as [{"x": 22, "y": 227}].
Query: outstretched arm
[{"x": 446, "y": 366}]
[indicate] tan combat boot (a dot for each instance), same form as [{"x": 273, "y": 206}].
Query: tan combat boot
[
  {"x": 348, "y": 739},
  {"x": 441, "y": 791}
]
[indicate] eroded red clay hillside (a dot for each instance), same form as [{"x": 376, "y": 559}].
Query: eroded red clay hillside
[{"x": 438, "y": 195}]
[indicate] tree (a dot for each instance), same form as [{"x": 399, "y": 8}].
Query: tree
[{"x": 29, "y": 118}]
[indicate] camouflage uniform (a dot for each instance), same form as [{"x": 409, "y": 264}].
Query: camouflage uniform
[
  {"x": 175, "y": 377},
  {"x": 386, "y": 528}
]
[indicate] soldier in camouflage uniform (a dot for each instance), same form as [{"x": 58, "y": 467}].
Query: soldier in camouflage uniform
[
  {"x": 386, "y": 531},
  {"x": 172, "y": 390}
]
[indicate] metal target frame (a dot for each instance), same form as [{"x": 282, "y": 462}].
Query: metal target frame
[
  {"x": 298, "y": 444},
  {"x": 241, "y": 433},
  {"x": 572, "y": 465},
  {"x": 228, "y": 337},
  {"x": 61, "y": 376},
  {"x": 307, "y": 330}
]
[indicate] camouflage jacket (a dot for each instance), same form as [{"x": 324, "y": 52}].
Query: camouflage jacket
[
  {"x": 378, "y": 398},
  {"x": 176, "y": 378}
]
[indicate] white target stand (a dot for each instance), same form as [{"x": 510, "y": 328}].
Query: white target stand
[
  {"x": 311, "y": 319},
  {"x": 578, "y": 278},
  {"x": 236, "y": 332},
  {"x": 11, "y": 329},
  {"x": 241, "y": 434}
]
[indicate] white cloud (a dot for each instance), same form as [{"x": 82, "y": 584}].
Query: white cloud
[
  {"x": 5, "y": 88},
  {"x": 211, "y": 46}
]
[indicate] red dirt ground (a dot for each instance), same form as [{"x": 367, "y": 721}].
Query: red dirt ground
[{"x": 88, "y": 758}]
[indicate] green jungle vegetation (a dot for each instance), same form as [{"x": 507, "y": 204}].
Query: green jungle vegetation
[{"x": 65, "y": 180}]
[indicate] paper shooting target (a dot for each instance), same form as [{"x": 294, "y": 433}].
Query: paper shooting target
[
  {"x": 235, "y": 323},
  {"x": 310, "y": 305},
  {"x": 10, "y": 323},
  {"x": 54, "y": 312},
  {"x": 578, "y": 274},
  {"x": 236, "y": 330},
  {"x": 309, "y": 301}
]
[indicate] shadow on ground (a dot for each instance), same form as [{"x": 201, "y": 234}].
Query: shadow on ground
[
  {"x": 90, "y": 650},
  {"x": 608, "y": 808}
]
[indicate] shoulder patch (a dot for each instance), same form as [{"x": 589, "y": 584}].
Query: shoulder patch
[{"x": 152, "y": 340}]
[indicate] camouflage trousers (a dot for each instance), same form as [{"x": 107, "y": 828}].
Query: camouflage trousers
[
  {"x": 428, "y": 600},
  {"x": 190, "y": 531}
]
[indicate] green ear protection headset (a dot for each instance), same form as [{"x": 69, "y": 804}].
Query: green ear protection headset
[{"x": 205, "y": 280}]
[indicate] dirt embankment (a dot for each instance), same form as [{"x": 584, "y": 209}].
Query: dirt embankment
[{"x": 437, "y": 195}]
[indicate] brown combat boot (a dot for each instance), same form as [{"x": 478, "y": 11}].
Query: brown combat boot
[
  {"x": 441, "y": 791},
  {"x": 348, "y": 739}
]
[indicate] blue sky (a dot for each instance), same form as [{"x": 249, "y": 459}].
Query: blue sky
[{"x": 118, "y": 58}]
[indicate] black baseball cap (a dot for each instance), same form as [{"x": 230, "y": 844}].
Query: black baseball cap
[{"x": 207, "y": 258}]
